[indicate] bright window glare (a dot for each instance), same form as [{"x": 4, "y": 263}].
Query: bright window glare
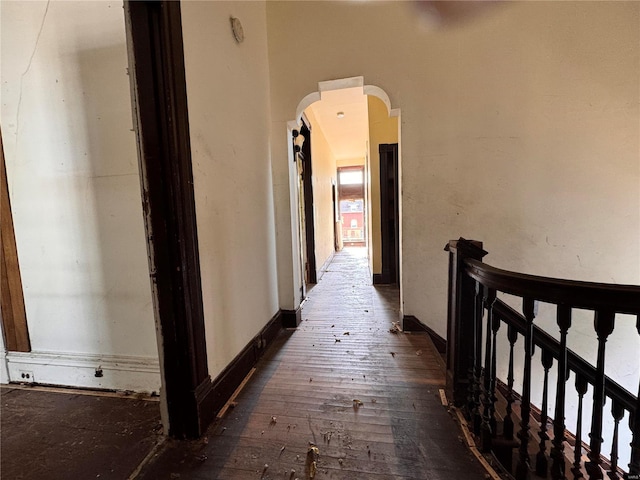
[{"x": 351, "y": 178}]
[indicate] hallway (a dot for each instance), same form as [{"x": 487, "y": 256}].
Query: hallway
[{"x": 367, "y": 398}]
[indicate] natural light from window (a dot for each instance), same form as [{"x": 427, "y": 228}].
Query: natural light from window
[{"x": 352, "y": 177}]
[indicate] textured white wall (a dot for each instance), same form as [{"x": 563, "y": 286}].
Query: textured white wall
[
  {"x": 520, "y": 128},
  {"x": 73, "y": 180},
  {"x": 229, "y": 117}
]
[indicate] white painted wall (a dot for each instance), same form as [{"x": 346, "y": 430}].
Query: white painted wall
[
  {"x": 229, "y": 117},
  {"x": 519, "y": 128},
  {"x": 74, "y": 186},
  {"x": 324, "y": 175}
]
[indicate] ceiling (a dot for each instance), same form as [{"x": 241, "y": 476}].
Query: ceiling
[{"x": 347, "y": 136}]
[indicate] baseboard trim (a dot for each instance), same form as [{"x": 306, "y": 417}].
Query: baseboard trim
[
  {"x": 211, "y": 396},
  {"x": 411, "y": 323},
  {"x": 325, "y": 266},
  {"x": 291, "y": 318},
  {"x": 380, "y": 279},
  {"x": 108, "y": 372}
]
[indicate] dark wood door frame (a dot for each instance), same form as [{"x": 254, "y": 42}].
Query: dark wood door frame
[
  {"x": 156, "y": 67},
  {"x": 309, "y": 225},
  {"x": 14, "y": 317},
  {"x": 389, "y": 214}
]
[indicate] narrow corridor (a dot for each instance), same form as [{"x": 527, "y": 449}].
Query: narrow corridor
[{"x": 368, "y": 399}]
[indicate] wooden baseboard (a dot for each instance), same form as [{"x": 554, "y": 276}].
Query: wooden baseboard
[
  {"x": 291, "y": 318},
  {"x": 110, "y": 372},
  {"x": 411, "y": 324},
  {"x": 380, "y": 279},
  {"x": 211, "y": 396},
  {"x": 325, "y": 266}
]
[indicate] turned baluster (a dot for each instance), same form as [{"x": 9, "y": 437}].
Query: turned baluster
[
  {"x": 603, "y": 324},
  {"x": 529, "y": 309},
  {"x": 473, "y": 356},
  {"x": 563, "y": 319},
  {"x": 507, "y": 426},
  {"x": 634, "y": 424},
  {"x": 495, "y": 326},
  {"x": 581, "y": 388},
  {"x": 477, "y": 377},
  {"x": 487, "y": 399},
  {"x": 542, "y": 464},
  {"x": 617, "y": 411}
]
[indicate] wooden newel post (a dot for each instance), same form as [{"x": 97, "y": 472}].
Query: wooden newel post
[{"x": 461, "y": 325}]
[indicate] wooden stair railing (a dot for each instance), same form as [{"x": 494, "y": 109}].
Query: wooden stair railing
[{"x": 474, "y": 309}]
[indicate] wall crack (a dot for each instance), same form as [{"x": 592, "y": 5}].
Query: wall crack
[{"x": 26, "y": 71}]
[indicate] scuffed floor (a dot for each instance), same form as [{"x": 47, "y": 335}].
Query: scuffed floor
[
  {"x": 341, "y": 391},
  {"x": 64, "y": 435}
]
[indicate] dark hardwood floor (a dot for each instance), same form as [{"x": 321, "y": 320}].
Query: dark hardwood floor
[
  {"x": 366, "y": 398},
  {"x": 59, "y": 434}
]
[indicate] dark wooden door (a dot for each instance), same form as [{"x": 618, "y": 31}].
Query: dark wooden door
[{"x": 389, "y": 220}]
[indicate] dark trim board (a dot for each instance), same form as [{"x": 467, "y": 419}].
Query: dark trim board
[
  {"x": 222, "y": 388},
  {"x": 380, "y": 279},
  {"x": 412, "y": 324},
  {"x": 291, "y": 318},
  {"x": 161, "y": 119}
]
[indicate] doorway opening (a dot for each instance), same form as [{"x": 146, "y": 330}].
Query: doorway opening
[{"x": 351, "y": 195}]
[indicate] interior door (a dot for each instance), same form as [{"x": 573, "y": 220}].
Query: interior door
[{"x": 389, "y": 217}]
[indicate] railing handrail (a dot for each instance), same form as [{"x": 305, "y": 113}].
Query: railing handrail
[
  {"x": 575, "y": 362},
  {"x": 474, "y": 317},
  {"x": 574, "y": 293}
]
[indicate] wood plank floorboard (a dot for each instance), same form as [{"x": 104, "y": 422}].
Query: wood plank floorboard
[
  {"x": 304, "y": 389},
  {"x": 62, "y": 435}
]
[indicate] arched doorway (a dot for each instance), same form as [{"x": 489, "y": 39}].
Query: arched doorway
[{"x": 326, "y": 113}]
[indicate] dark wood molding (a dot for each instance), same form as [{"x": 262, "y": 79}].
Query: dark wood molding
[
  {"x": 14, "y": 317},
  {"x": 380, "y": 279},
  {"x": 156, "y": 68},
  {"x": 222, "y": 388},
  {"x": 411, "y": 323},
  {"x": 309, "y": 223},
  {"x": 291, "y": 318}
]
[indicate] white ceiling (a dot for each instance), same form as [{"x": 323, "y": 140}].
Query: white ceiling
[{"x": 347, "y": 136}]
